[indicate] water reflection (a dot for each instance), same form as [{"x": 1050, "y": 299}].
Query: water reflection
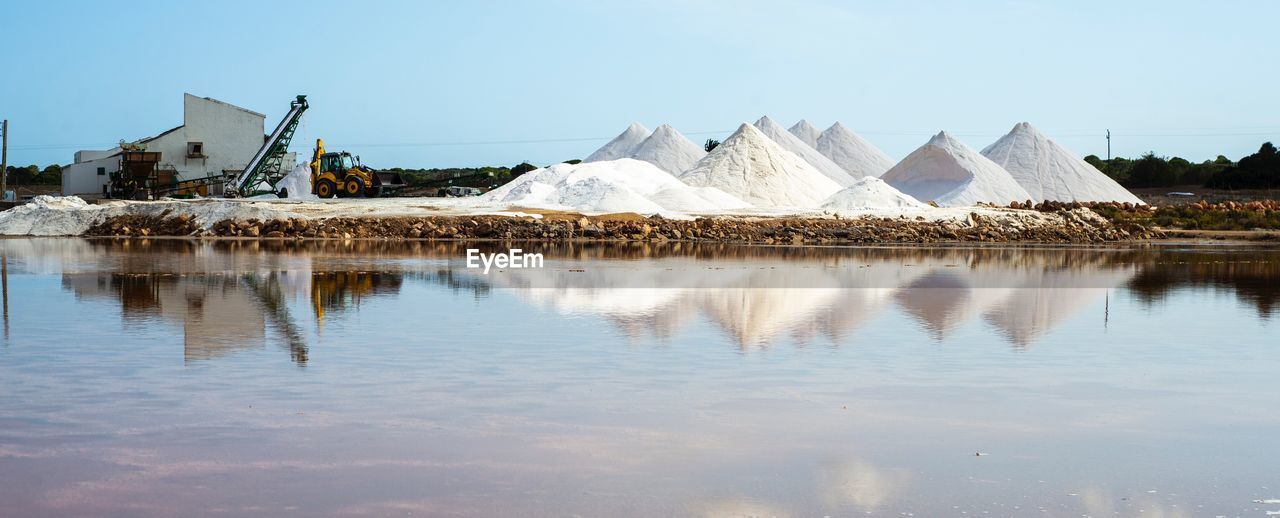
[
  {"x": 233, "y": 295},
  {"x": 440, "y": 390}
]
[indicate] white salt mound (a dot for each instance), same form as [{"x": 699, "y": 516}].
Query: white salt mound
[
  {"x": 790, "y": 143},
  {"x": 622, "y": 145},
  {"x": 71, "y": 216},
  {"x": 851, "y": 152},
  {"x": 1051, "y": 173},
  {"x": 623, "y": 185},
  {"x": 297, "y": 184},
  {"x": 669, "y": 150},
  {"x": 752, "y": 167},
  {"x": 947, "y": 172},
  {"x": 805, "y": 132},
  {"x": 871, "y": 194}
]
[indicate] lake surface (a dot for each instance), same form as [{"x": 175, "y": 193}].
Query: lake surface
[{"x": 177, "y": 378}]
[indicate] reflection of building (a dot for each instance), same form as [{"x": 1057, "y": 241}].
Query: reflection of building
[
  {"x": 224, "y": 313},
  {"x": 216, "y": 315}
]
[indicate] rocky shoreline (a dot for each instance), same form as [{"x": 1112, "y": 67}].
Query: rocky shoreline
[{"x": 1058, "y": 225}]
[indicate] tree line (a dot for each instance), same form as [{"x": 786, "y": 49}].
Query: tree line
[
  {"x": 1260, "y": 170},
  {"x": 34, "y": 175}
]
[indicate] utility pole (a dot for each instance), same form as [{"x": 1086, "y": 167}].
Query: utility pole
[
  {"x": 4, "y": 160},
  {"x": 1108, "y": 145}
]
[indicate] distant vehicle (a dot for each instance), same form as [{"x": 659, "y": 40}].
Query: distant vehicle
[
  {"x": 1182, "y": 194},
  {"x": 455, "y": 191}
]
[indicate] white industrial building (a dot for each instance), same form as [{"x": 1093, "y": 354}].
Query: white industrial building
[{"x": 215, "y": 138}]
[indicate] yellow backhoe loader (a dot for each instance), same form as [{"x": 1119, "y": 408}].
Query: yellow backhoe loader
[{"x": 341, "y": 174}]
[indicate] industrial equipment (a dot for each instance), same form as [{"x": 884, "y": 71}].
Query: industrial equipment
[
  {"x": 342, "y": 174},
  {"x": 262, "y": 173}
]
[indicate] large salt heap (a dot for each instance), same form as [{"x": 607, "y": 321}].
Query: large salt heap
[
  {"x": 623, "y": 185},
  {"x": 793, "y": 144},
  {"x": 947, "y": 172},
  {"x": 1051, "y": 173},
  {"x": 870, "y": 193},
  {"x": 756, "y": 169},
  {"x": 622, "y": 145},
  {"x": 806, "y": 133},
  {"x": 854, "y": 154},
  {"x": 669, "y": 150}
]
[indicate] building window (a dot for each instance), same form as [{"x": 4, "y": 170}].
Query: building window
[
  {"x": 102, "y": 171},
  {"x": 195, "y": 150}
]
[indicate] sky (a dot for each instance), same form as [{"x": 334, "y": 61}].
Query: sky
[{"x": 456, "y": 84}]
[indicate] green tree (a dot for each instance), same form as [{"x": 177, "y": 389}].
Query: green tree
[
  {"x": 1260, "y": 170},
  {"x": 1152, "y": 171},
  {"x": 711, "y": 144},
  {"x": 522, "y": 168}
]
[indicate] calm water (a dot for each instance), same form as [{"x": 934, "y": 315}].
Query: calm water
[{"x": 170, "y": 378}]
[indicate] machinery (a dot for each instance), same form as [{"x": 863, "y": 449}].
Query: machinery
[
  {"x": 341, "y": 174},
  {"x": 263, "y": 172}
]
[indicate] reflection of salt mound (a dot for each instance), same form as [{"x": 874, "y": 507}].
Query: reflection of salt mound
[
  {"x": 624, "y": 185},
  {"x": 297, "y": 184},
  {"x": 943, "y": 300},
  {"x": 790, "y": 143},
  {"x": 622, "y": 145},
  {"x": 858, "y": 157},
  {"x": 806, "y": 133},
  {"x": 1050, "y": 298},
  {"x": 946, "y": 171},
  {"x": 868, "y": 194},
  {"x": 757, "y": 316},
  {"x": 669, "y": 150},
  {"x": 753, "y": 168},
  {"x": 1050, "y": 172}
]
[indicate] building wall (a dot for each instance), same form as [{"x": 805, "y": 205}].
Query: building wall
[
  {"x": 83, "y": 177},
  {"x": 230, "y": 136}
]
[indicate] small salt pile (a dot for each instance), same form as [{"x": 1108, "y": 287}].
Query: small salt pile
[
  {"x": 623, "y": 185},
  {"x": 754, "y": 168},
  {"x": 1051, "y": 173},
  {"x": 858, "y": 157},
  {"x": 790, "y": 143},
  {"x": 805, "y": 132},
  {"x": 870, "y": 193},
  {"x": 622, "y": 145},
  {"x": 669, "y": 150},
  {"x": 951, "y": 174},
  {"x": 297, "y": 184}
]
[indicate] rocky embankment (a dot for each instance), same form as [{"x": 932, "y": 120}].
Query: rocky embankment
[{"x": 1063, "y": 225}]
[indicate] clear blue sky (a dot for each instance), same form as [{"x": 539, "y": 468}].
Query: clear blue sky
[{"x": 412, "y": 83}]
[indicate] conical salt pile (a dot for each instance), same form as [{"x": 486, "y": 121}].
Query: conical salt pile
[
  {"x": 669, "y": 150},
  {"x": 952, "y": 174},
  {"x": 806, "y": 133},
  {"x": 858, "y": 157},
  {"x": 1051, "y": 173},
  {"x": 622, "y": 145},
  {"x": 870, "y": 193},
  {"x": 757, "y": 170},
  {"x": 790, "y": 143}
]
